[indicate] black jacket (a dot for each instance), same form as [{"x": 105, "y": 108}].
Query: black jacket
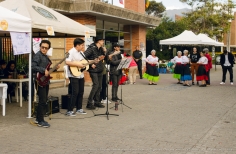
[
  {"x": 230, "y": 58},
  {"x": 114, "y": 63},
  {"x": 91, "y": 53}
]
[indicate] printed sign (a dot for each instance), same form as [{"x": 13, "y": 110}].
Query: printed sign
[
  {"x": 4, "y": 25},
  {"x": 50, "y": 30},
  {"x": 36, "y": 43},
  {"x": 120, "y": 3},
  {"x": 20, "y": 42}
]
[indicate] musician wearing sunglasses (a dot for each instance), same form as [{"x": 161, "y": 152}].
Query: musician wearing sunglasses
[{"x": 39, "y": 65}]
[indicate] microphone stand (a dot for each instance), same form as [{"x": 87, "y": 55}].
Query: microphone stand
[{"x": 107, "y": 112}]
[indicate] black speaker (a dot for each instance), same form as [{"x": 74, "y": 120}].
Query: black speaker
[
  {"x": 65, "y": 101},
  {"x": 53, "y": 105}
]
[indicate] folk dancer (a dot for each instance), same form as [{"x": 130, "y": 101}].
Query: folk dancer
[
  {"x": 202, "y": 69},
  {"x": 186, "y": 74},
  {"x": 177, "y": 60}
]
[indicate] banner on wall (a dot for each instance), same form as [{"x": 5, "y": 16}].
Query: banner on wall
[
  {"x": 20, "y": 43},
  {"x": 120, "y": 3}
]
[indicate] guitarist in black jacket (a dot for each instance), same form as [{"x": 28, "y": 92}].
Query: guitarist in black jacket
[
  {"x": 227, "y": 63},
  {"x": 96, "y": 72},
  {"x": 39, "y": 63}
]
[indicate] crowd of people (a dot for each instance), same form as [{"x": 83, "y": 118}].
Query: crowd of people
[{"x": 97, "y": 57}]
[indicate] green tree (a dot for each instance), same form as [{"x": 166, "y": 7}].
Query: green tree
[
  {"x": 209, "y": 17},
  {"x": 155, "y": 9},
  {"x": 165, "y": 30}
]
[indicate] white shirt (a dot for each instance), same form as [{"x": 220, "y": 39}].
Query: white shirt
[
  {"x": 203, "y": 60},
  {"x": 152, "y": 59},
  {"x": 74, "y": 56},
  {"x": 185, "y": 60},
  {"x": 176, "y": 59},
  {"x": 227, "y": 63}
]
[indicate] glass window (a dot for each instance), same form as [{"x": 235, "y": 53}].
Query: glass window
[
  {"x": 99, "y": 33},
  {"x": 111, "y": 26},
  {"x": 99, "y": 24}
]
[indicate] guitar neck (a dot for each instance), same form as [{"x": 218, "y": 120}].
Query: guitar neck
[{"x": 55, "y": 66}]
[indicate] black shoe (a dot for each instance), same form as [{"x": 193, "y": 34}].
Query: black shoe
[
  {"x": 99, "y": 105},
  {"x": 197, "y": 83},
  {"x": 114, "y": 99},
  {"x": 118, "y": 99},
  {"x": 203, "y": 85},
  {"x": 43, "y": 124},
  {"x": 90, "y": 107},
  {"x": 193, "y": 83}
]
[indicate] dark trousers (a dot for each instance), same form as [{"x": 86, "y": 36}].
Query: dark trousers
[
  {"x": 96, "y": 88},
  {"x": 208, "y": 75},
  {"x": 139, "y": 63},
  {"x": 103, "y": 93},
  {"x": 115, "y": 84},
  {"x": 77, "y": 92},
  {"x": 230, "y": 69},
  {"x": 43, "y": 96}
]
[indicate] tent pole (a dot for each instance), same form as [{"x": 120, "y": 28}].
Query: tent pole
[{"x": 30, "y": 77}]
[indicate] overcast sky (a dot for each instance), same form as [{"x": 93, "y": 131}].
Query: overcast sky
[
  {"x": 173, "y": 4},
  {"x": 176, "y": 4}
]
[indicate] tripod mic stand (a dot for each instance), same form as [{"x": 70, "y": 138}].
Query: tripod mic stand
[
  {"x": 107, "y": 112},
  {"x": 123, "y": 64}
]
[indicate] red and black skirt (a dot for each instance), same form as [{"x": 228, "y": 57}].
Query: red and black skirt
[{"x": 202, "y": 73}]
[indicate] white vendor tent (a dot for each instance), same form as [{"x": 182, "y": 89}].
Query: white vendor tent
[
  {"x": 42, "y": 16},
  {"x": 186, "y": 37},
  {"x": 13, "y": 22},
  {"x": 209, "y": 41}
]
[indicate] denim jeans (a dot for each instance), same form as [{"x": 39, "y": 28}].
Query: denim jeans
[{"x": 96, "y": 88}]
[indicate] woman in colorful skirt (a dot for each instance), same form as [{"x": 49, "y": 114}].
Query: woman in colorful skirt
[
  {"x": 202, "y": 69},
  {"x": 186, "y": 73},
  {"x": 152, "y": 73},
  {"x": 177, "y": 60}
]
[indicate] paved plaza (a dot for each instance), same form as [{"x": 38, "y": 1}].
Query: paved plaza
[{"x": 165, "y": 118}]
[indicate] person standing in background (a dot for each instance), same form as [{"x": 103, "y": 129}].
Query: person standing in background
[
  {"x": 132, "y": 70},
  {"x": 137, "y": 55},
  {"x": 194, "y": 57},
  {"x": 227, "y": 63},
  {"x": 207, "y": 55}
]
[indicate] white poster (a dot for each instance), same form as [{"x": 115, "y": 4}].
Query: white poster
[
  {"x": 120, "y": 3},
  {"x": 36, "y": 42},
  {"x": 20, "y": 43}
]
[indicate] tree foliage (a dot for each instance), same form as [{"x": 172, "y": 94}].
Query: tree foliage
[
  {"x": 209, "y": 17},
  {"x": 165, "y": 30},
  {"x": 155, "y": 8}
]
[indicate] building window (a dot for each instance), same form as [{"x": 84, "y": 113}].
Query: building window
[{"x": 111, "y": 26}]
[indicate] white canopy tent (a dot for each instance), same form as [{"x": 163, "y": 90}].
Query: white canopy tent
[
  {"x": 205, "y": 39},
  {"x": 186, "y": 37},
  {"x": 40, "y": 17},
  {"x": 13, "y": 22},
  {"x": 189, "y": 38}
]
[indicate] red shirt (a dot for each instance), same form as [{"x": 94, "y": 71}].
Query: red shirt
[{"x": 209, "y": 61}]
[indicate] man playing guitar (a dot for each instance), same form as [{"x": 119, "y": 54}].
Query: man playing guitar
[
  {"x": 76, "y": 82},
  {"x": 39, "y": 64}
]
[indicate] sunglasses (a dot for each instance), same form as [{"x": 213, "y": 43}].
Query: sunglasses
[{"x": 46, "y": 48}]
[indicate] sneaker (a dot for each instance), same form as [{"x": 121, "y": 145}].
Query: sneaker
[
  {"x": 134, "y": 83},
  {"x": 231, "y": 83},
  {"x": 81, "y": 111},
  {"x": 222, "y": 83},
  {"x": 99, "y": 105},
  {"x": 70, "y": 113},
  {"x": 43, "y": 124},
  {"x": 193, "y": 83},
  {"x": 90, "y": 107},
  {"x": 36, "y": 121},
  {"x": 104, "y": 101}
]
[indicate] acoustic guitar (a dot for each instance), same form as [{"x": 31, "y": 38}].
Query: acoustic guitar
[
  {"x": 42, "y": 79},
  {"x": 76, "y": 71}
]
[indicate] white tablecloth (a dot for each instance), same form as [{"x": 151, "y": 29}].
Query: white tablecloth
[{"x": 3, "y": 96}]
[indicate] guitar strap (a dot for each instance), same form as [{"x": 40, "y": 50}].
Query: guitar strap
[{"x": 84, "y": 56}]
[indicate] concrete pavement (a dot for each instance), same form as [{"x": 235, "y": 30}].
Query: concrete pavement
[{"x": 165, "y": 118}]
